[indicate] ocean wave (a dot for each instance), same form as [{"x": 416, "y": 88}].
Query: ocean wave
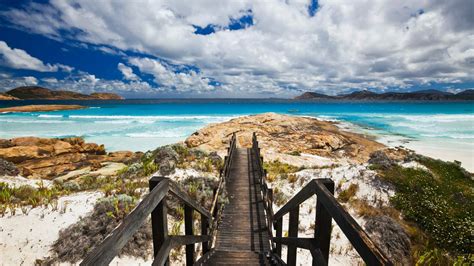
[
  {"x": 113, "y": 122},
  {"x": 451, "y": 136},
  {"x": 35, "y": 121},
  {"x": 439, "y": 118},
  {"x": 129, "y": 119},
  {"x": 50, "y": 116},
  {"x": 157, "y": 117},
  {"x": 159, "y": 134},
  {"x": 423, "y": 118},
  {"x": 325, "y": 118}
]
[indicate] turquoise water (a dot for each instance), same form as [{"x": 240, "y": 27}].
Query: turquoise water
[{"x": 146, "y": 124}]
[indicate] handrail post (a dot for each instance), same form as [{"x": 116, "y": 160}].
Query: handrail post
[
  {"x": 204, "y": 231},
  {"x": 188, "y": 230},
  {"x": 323, "y": 222},
  {"x": 159, "y": 220},
  {"x": 269, "y": 211},
  {"x": 278, "y": 229},
  {"x": 292, "y": 232},
  {"x": 270, "y": 199}
]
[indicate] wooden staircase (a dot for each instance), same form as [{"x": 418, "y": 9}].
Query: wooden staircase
[{"x": 242, "y": 231}]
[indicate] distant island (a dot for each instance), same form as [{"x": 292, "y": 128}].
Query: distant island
[
  {"x": 365, "y": 95},
  {"x": 40, "y": 93}
]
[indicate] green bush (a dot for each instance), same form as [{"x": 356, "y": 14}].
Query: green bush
[
  {"x": 149, "y": 168},
  {"x": 440, "y": 201},
  {"x": 277, "y": 168}
]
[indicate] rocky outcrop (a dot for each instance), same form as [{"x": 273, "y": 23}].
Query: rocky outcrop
[
  {"x": 8, "y": 168},
  {"x": 6, "y": 97},
  {"x": 286, "y": 134},
  {"x": 41, "y": 108},
  {"x": 49, "y": 158},
  {"x": 106, "y": 96},
  {"x": 36, "y": 93},
  {"x": 390, "y": 237}
]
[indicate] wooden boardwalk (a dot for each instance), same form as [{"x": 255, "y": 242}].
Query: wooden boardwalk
[{"x": 242, "y": 237}]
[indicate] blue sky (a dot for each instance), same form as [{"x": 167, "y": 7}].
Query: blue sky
[{"x": 236, "y": 49}]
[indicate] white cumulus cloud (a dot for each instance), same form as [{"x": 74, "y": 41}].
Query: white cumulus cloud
[
  {"x": 346, "y": 44},
  {"x": 20, "y": 59},
  {"x": 127, "y": 72},
  {"x": 167, "y": 76}
]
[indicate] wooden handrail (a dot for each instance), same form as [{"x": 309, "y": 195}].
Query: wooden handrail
[
  {"x": 104, "y": 253},
  {"x": 327, "y": 208},
  {"x": 224, "y": 173}
]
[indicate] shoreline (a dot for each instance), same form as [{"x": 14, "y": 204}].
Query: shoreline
[{"x": 449, "y": 150}]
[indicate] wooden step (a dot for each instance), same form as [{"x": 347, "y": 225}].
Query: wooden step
[{"x": 224, "y": 257}]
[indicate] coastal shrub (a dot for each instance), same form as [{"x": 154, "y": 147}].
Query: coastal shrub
[
  {"x": 149, "y": 168},
  {"x": 205, "y": 165},
  {"x": 182, "y": 151},
  {"x": 26, "y": 195},
  {"x": 80, "y": 238},
  {"x": 279, "y": 198},
  {"x": 71, "y": 186},
  {"x": 278, "y": 168},
  {"x": 292, "y": 178},
  {"x": 440, "y": 201},
  {"x": 295, "y": 153},
  {"x": 197, "y": 159},
  {"x": 123, "y": 171},
  {"x": 201, "y": 189},
  {"x": 270, "y": 178},
  {"x": 107, "y": 189},
  {"x": 349, "y": 193},
  {"x": 131, "y": 185}
]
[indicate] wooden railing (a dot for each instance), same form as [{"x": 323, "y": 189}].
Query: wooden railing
[
  {"x": 154, "y": 204},
  {"x": 327, "y": 208}
]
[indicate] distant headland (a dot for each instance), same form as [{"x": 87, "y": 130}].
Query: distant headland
[
  {"x": 40, "y": 93},
  {"x": 41, "y": 108},
  {"x": 365, "y": 95}
]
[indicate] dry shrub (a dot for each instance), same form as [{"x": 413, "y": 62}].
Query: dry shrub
[
  {"x": 279, "y": 198},
  {"x": 349, "y": 193},
  {"x": 270, "y": 178},
  {"x": 292, "y": 178},
  {"x": 80, "y": 238}
]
